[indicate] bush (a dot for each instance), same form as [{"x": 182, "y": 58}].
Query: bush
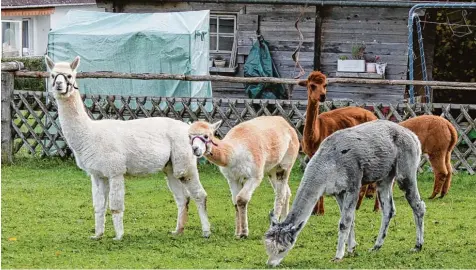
[{"x": 32, "y": 64}]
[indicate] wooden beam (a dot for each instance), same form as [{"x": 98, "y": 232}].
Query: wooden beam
[
  {"x": 218, "y": 78},
  {"x": 6, "y": 118},
  {"x": 12, "y": 66}
]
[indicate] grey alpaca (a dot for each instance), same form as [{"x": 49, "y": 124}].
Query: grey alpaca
[{"x": 377, "y": 151}]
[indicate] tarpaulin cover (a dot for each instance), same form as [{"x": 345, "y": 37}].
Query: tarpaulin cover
[
  {"x": 260, "y": 64},
  {"x": 176, "y": 43}
]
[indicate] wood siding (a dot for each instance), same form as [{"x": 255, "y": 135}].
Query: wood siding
[{"x": 383, "y": 30}]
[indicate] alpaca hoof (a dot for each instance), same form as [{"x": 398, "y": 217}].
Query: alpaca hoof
[
  {"x": 206, "y": 234},
  {"x": 417, "y": 248},
  {"x": 375, "y": 248},
  {"x": 442, "y": 195},
  {"x": 241, "y": 236},
  {"x": 176, "y": 232},
  {"x": 432, "y": 196},
  {"x": 117, "y": 238},
  {"x": 96, "y": 237},
  {"x": 337, "y": 260},
  {"x": 351, "y": 250}
]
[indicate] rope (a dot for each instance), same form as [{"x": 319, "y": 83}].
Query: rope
[{"x": 295, "y": 55}]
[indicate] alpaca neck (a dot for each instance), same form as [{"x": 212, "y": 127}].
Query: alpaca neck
[
  {"x": 312, "y": 128},
  {"x": 221, "y": 153},
  {"x": 308, "y": 193},
  {"x": 75, "y": 122}
]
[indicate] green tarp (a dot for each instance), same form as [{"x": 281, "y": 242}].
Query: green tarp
[
  {"x": 176, "y": 43},
  {"x": 260, "y": 64}
]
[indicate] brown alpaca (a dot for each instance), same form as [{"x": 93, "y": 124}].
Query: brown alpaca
[
  {"x": 438, "y": 139},
  {"x": 320, "y": 126}
]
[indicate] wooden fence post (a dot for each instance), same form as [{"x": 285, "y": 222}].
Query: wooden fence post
[{"x": 7, "y": 94}]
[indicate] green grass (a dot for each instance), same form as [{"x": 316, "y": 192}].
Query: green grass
[{"x": 47, "y": 218}]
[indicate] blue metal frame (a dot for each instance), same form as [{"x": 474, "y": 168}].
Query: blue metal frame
[{"x": 413, "y": 16}]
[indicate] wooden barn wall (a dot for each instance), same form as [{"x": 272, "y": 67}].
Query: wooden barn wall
[{"x": 384, "y": 32}]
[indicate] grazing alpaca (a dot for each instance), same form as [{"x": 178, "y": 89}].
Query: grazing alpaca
[
  {"x": 438, "y": 139},
  {"x": 320, "y": 126},
  {"x": 378, "y": 151},
  {"x": 108, "y": 149},
  {"x": 263, "y": 145}
]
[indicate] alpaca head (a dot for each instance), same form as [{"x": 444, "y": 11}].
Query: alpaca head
[
  {"x": 280, "y": 239},
  {"x": 316, "y": 86},
  {"x": 201, "y": 136},
  {"x": 62, "y": 77}
]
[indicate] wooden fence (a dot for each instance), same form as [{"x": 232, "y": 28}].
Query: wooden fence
[{"x": 30, "y": 118}]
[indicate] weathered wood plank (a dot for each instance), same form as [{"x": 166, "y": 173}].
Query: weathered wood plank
[
  {"x": 367, "y": 13},
  {"x": 371, "y": 48},
  {"x": 12, "y": 66},
  {"x": 276, "y": 9},
  {"x": 6, "y": 118},
  {"x": 362, "y": 37}
]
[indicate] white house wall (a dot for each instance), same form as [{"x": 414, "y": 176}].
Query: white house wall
[
  {"x": 61, "y": 11},
  {"x": 41, "y": 26}
]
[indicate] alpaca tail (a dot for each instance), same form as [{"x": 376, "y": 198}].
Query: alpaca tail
[{"x": 454, "y": 137}]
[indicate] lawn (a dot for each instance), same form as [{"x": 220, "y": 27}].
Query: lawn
[{"x": 47, "y": 218}]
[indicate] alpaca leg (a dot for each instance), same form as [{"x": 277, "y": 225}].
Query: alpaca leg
[
  {"x": 348, "y": 202},
  {"x": 100, "y": 191},
  {"x": 447, "y": 184},
  {"x": 197, "y": 192},
  {"x": 409, "y": 186},
  {"x": 116, "y": 204},
  {"x": 286, "y": 202},
  {"x": 384, "y": 195},
  {"x": 276, "y": 186},
  {"x": 242, "y": 200},
  {"x": 319, "y": 207},
  {"x": 351, "y": 243},
  {"x": 235, "y": 187},
  {"x": 182, "y": 200},
  {"x": 281, "y": 191},
  {"x": 362, "y": 192},
  {"x": 370, "y": 191},
  {"x": 440, "y": 171}
]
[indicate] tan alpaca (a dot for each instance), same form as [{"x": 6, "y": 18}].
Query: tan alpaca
[
  {"x": 320, "y": 126},
  {"x": 265, "y": 145},
  {"x": 438, "y": 139}
]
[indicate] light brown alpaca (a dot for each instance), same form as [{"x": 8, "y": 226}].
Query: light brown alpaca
[
  {"x": 265, "y": 145},
  {"x": 320, "y": 126},
  {"x": 438, "y": 138}
]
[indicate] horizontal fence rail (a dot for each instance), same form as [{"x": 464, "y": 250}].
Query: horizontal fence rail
[
  {"x": 218, "y": 78},
  {"x": 36, "y": 128}
]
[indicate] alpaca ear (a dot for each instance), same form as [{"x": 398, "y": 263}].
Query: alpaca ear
[
  {"x": 74, "y": 65},
  {"x": 272, "y": 219},
  {"x": 49, "y": 63},
  {"x": 303, "y": 83},
  {"x": 216, "y": 125}
]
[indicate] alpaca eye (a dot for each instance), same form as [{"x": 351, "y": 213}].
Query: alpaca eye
[
  {"x": 52, "y": 76},
  {"x": 313, "y": 87},
  {"x": 69, "y": 76},
  {"x": 206, "y": 136}
]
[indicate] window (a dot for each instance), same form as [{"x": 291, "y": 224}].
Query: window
[
  {"x": 222, "y": 39},
  {"x": 16, "y": 38}
]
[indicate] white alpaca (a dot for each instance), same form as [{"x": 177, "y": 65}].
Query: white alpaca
[
  {"x": 108, "y": 149},
  {"x": 264, "y": 145}
]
